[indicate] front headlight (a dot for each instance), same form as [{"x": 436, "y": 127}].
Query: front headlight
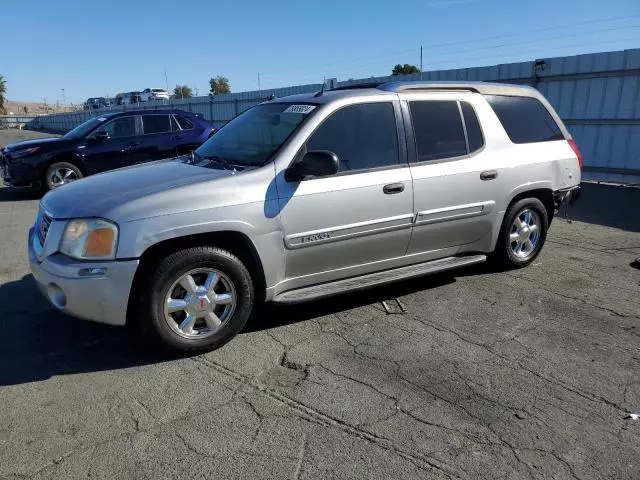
[
  {"x": 90, "y": 239},
  {"x": 24, "y": 153}
]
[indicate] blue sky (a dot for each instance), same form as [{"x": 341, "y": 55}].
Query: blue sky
[{"x": 97, "y": 48}]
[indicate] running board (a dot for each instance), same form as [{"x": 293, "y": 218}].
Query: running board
[{"x": 362, "y": 282}]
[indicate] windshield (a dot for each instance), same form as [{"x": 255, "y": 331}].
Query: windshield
[
  {"x": 253, "y": 137},
  {"x": 84, "y": 128}
]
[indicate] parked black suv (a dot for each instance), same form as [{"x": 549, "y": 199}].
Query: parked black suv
[{"x": 102, "y": 143}]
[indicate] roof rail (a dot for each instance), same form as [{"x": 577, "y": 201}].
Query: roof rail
[
  {"x": 411, "y": 86},
  {"x": 357, "y": 86}
]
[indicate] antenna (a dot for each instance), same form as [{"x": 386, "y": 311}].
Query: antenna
[{"x": 319, "y": 94}]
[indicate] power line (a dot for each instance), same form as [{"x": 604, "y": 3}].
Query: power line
[
  {"x": 360, "y": 67},
  {"x": 497, "y": 57},
  {"x": 529, "y": 41},
  {"x": 528, "y": 52},
  {"x": 546, "y": 29},
  {"x": 476, "y": 40}
]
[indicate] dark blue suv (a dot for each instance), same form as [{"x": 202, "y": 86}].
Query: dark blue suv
[{"x": 105, "y": 142}]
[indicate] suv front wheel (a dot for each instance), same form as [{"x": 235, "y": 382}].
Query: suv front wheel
[
  {"x": 61, "y": 173},
  {"x": 523, "y": 233},
  {"x": 197, "y": 300}
]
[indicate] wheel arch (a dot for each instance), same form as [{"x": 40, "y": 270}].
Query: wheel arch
[
  {"x": 545, "y": 195},
  {"x": 542, "y": 192},
  {"x": 69, "y": 157},
  {"x": 235, "y": 242}
]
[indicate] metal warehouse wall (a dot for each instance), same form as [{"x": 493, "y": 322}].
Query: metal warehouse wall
[{"x": 597, "y": 95}]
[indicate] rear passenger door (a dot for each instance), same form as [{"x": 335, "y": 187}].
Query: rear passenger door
[
  {"x": 158, "y": 137},
  {"x": 185, "y": 134},
  {"x": 455, "y": 179}
]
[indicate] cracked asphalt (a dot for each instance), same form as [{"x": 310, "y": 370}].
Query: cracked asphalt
[{"x": 512, "y": 375}]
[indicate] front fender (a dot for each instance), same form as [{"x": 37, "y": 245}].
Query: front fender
[
  {"x": 263, "y": 232},
  {"x": 68, "y": 156}
]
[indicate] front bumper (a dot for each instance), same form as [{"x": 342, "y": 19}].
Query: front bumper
[
  {"x": 18, "y": 174},
  {"x": 566, "y": 196},
  {"x": 64, "y": 282}
]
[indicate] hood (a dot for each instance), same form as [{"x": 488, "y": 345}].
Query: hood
[
  {"x": 97, "y": 195},
  {"x": 38, "y": 142}
]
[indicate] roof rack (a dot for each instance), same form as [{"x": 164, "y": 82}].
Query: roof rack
[
  {"x": 415, "y": 86},
  {"x": 358, "y": 86}
]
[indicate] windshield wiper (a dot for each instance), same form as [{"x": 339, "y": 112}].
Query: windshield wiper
[
  {"x": 222, "y": 161},
  {"x": 227, "y": 164}
]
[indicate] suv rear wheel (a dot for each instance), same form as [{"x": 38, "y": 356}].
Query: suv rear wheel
[
  {"x": 523, "y": 233},
  {"x": 197, "y": 300}
]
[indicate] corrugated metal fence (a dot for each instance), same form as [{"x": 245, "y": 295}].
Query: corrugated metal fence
[
  {"x": 15, "y": 121},
  {"x": 597, "y": 95}
]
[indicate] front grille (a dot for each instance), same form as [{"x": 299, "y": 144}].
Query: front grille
[{"x": 43, "y": 227}]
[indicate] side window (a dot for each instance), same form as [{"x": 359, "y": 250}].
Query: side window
[
  {"x": 184, "y": 123},
  {"x": 120, "y": 127},
  {"x": 438, "y": 129},
  {"x": 525, "y": 119},
  {"x": 155, "y": 124},
  {"x": 471, "y": 123},
  {"x": 362, "y": 136}
]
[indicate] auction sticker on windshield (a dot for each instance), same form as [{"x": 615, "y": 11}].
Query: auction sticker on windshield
[{"x": 304, "y": 109}]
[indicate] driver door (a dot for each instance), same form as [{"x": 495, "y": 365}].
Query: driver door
[
  {"x": 351, "y": 222},
  {"x": 119, "y": 149}
]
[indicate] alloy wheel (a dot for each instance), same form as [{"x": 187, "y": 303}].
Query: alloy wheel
[
  {"x": 199, "y": 303},
  {"x": 525, "y": 233}
]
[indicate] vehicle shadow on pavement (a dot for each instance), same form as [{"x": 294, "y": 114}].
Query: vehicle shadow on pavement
[
  {"x": 9, "y": 194},
  {"x": 37, "y": 342},
  {"x": 607, "y": 205},
  {"x": 272, "y": 316}
]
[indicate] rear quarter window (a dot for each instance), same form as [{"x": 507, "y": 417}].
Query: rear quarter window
[
  {"x": 155, "y": 124},
  {"x": 525, "y": 119},
  {"x": 185, "y": 124}
]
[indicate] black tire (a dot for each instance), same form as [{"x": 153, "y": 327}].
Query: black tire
[
  {"x": 48, "y": 182},
  {"x": 150, "y": 314},
  {"x": 504, "y": 255}
]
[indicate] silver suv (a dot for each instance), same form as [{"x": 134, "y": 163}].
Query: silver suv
[{"x": 304, "y": 197}]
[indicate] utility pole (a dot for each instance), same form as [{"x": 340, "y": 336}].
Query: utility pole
[
  {"x": 166, "y": 82},
  {"x": 196, "y": 90},
  {"x": 259, "y": 89},
  {"x": 64, "y": 101},
  {"x": 420, "y": 62}
]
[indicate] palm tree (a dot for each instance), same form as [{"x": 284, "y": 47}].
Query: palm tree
[{"x": 3, "y": 91}]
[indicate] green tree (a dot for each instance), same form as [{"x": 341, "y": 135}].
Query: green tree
[
  {"x": 3, "y": 92},
  {"x": 182, "y": 91},
  {"x": 404, "y": 69},
  {"x": 219, "y": 85}
]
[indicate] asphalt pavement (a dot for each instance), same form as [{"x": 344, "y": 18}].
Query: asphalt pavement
[{"x": 522, "y": 374}]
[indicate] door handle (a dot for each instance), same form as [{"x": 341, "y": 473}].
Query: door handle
[
  {"x": 393, "y": 188},
  {"x": 489, "y": 175},
  {"x": 129, "y": 146}
]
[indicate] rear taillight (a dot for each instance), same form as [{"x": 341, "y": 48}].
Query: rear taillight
[{"x": 576, "y": 150}]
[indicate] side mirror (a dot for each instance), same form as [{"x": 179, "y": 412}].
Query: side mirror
[
  {"x": 101, "y": 135},
  {"x": 317, "y": 163}
]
